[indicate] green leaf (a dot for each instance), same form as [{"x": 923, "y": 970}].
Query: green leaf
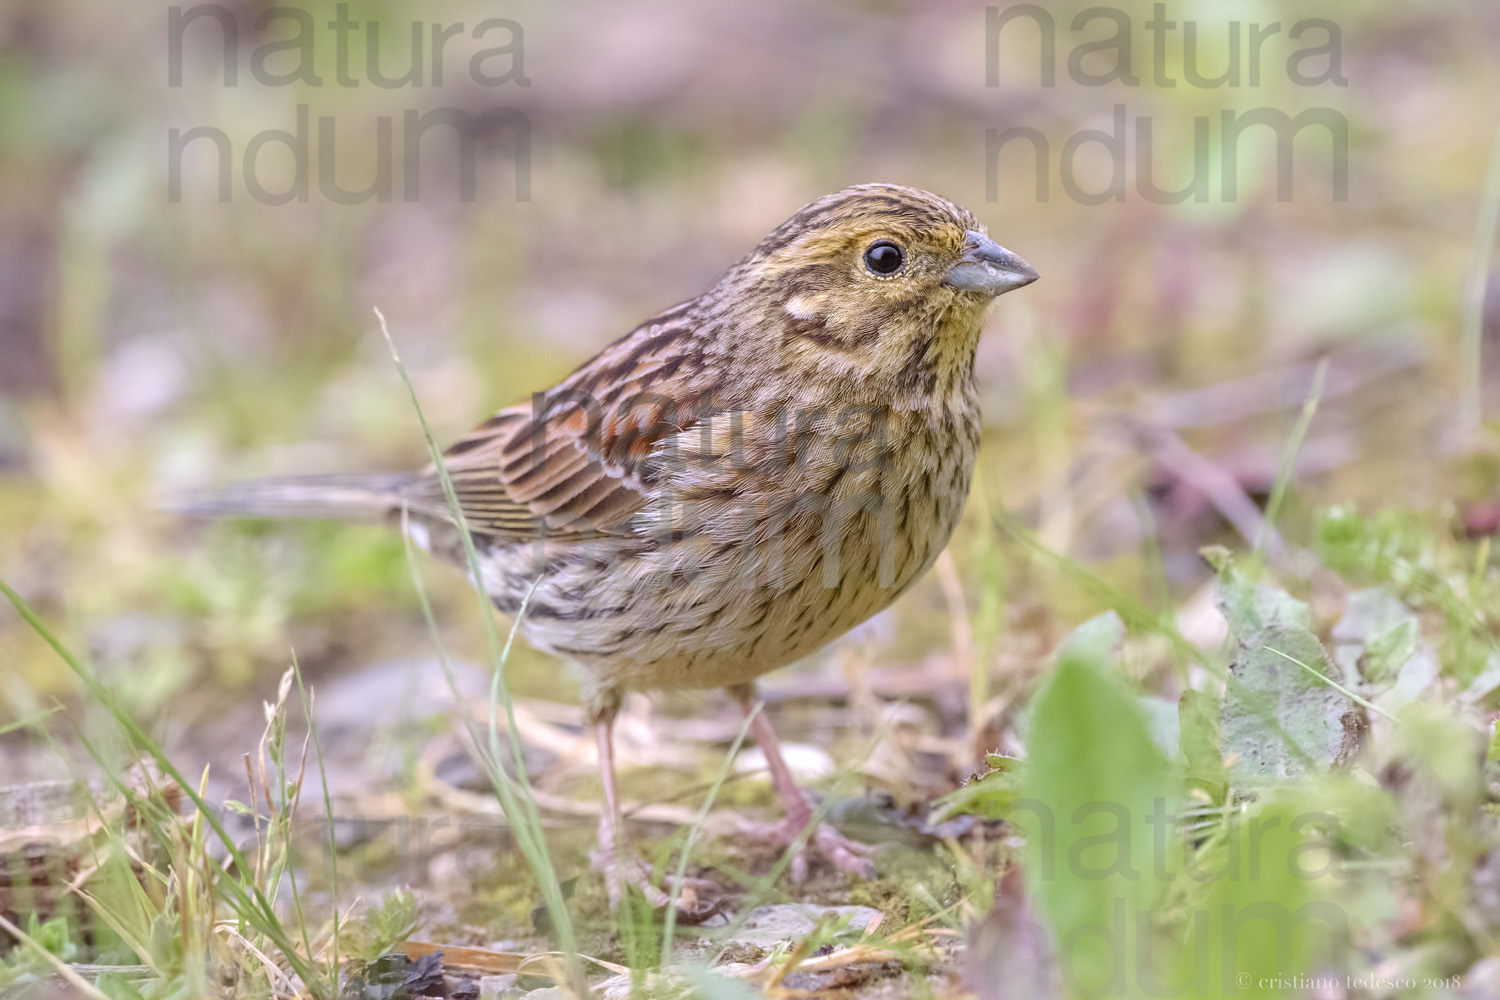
[
  {"x": 1095, "y": 639},
  {"x": 990, "y": 794},
  {"x": 1282, "y": 716},
  {"x": 1376, "y": 636},
  {"x": 1198, "y": 740},
  {"x": 1266, "y": 912},
  {"x": 1482, "y": 689},
  {"x": 1098, "y": 798},
  {"x": 382, "y": 927},
  {"x": 52, "y": 936},
  {"x": 1387, "y": 653},
  {"x": 1414, "y": 680},
  {"x": 1447, "y": 747},
  {"x": 1161, "y": 718},
  {"x": 1253, "y": 607}
]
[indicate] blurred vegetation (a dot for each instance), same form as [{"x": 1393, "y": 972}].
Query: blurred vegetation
[
  {"x": 154, "y": 345},
  {"x": 1139, "y": 399}
]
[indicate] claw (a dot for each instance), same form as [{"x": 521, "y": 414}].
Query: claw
[
  {"x": 848, "y": 856},
  {"x": 620, "y": 870},
  {"x": 697, "y": 898}
]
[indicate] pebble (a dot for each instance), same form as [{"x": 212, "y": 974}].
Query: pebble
[
  {"x": 499, "y": 988},
  {"x": 773, "y": 924}
]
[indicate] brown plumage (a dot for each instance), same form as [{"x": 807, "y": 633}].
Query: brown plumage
[{"x": 740, "y": 479}]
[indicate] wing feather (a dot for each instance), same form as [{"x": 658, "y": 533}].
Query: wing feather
[{"x": 582, "y": 465}]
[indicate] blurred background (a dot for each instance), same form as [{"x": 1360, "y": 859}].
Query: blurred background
[{"x": 188, "y": 271}]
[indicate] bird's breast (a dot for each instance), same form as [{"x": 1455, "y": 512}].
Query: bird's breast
[{"x": 759, "y": 546}]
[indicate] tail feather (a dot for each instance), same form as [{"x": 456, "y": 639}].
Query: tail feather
[{"x": 343, "y": 498}]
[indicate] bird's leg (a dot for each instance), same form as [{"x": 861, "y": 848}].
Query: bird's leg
[
  {"x": 697, "y": 898},
  {"x": 614, "y": 857},
  {"x": 844, "y": 854}
]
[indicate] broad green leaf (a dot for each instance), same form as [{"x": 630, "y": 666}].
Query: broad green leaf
[
  {"x": 1252, "y": 607},
  {"x": 1267, "y": 916},
  {"x": 1095, "y": 639},
  {"x": 1098, "y": 795},
  {"x": 1283, "y": 714}
]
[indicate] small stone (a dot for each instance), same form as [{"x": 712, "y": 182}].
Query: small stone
[
  {"x": 808, "y": 763},
  {"x": 773, "y": 924},
  {"x": 498, "y": 988}
]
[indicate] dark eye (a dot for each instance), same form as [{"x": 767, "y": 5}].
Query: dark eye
[{"x": 884, "y": 257}]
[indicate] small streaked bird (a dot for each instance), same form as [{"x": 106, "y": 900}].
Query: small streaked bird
[{"x": 734, "y": 483}]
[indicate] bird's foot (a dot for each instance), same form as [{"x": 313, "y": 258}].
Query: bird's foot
[
  {"x": 826, "y": 843},
  {"x": 697, "y": 898}
]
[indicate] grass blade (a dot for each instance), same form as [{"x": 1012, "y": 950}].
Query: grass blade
[
  {"x": 250, "y": 901},
  {"x": 1289, "y": 455},
  {"x": 515, "y": 796},
  {"x": 669, "y": 930},
  {"x": 1485, "y": 224}
]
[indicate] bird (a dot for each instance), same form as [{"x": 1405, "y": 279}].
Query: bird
[{"x": 728, "y": 487}]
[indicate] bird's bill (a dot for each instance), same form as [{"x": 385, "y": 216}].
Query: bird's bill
[{"x": 988, "y": 267}]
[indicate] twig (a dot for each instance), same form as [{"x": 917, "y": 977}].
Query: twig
[
  {"x": 1274, "y": 389},
  {"x": 1222, "y": 489},
  {"x": 1485, "y": 224}
]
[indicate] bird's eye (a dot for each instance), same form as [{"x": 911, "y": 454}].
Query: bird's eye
[{"x": 884, "y": 257}]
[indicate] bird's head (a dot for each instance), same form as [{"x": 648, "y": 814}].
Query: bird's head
[{"x": 877, "y": 280}]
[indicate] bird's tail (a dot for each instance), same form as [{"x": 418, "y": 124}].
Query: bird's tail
[{"x": 341, "y": 498}]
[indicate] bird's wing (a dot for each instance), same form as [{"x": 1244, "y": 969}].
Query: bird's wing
[{"x": 574, "y": 460}]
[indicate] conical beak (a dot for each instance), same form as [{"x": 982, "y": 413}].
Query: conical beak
[{"x": 988, "y": 267}]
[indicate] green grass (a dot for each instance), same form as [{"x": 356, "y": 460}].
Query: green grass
[
  {"x": 184, "y": 918},
  {"x": 180, "y": 903}
]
